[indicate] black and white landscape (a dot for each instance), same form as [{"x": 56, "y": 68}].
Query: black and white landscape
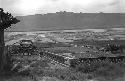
[{"x": 64, "y": 40}]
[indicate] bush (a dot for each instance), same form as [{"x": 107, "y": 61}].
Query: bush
[
  {"x": 110, "y": 71},
  {"x": 105, "y": 69}
]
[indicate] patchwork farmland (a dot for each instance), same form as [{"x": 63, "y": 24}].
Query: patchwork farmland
[{"x": 63, "y": 50}]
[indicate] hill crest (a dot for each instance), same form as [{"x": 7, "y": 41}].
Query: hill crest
[{"x": 68, "y": 20}]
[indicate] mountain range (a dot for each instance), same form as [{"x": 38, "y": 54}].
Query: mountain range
[{"x": 68, "y": 20}]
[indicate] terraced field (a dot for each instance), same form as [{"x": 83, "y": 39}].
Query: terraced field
[{"x": 55, "y": 48}]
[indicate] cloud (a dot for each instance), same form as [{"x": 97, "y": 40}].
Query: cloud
[
  {"x": 27, "y": 7},
  {"x": 115, "y": 2},
  {"x": 0, "y": 3},
  {"x": 54, "y": 0}
]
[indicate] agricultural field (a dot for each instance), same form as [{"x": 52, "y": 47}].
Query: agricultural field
[{"x": 40, "y": 61}]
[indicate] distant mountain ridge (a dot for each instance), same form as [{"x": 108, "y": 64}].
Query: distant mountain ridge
[{"x": 67, "y": 20}]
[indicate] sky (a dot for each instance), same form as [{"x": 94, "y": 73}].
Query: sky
[{"x": 30, "y": 7}]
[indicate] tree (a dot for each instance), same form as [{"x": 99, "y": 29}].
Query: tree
[
  {"x": 6, "y": 20},
  {"x": 114, "y": 48}
]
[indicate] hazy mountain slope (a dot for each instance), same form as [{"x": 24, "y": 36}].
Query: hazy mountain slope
[{"x": 53, "y": 21}]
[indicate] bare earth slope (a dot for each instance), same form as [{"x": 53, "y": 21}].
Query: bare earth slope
[{"x": 66, "y": 20}]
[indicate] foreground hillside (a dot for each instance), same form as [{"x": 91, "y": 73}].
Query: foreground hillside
[
  {"x": 68, "y": 20},
  {"x": 66, "y": 55}
]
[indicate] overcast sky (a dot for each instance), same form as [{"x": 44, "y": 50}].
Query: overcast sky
[{"x": 28, "y": 7}]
